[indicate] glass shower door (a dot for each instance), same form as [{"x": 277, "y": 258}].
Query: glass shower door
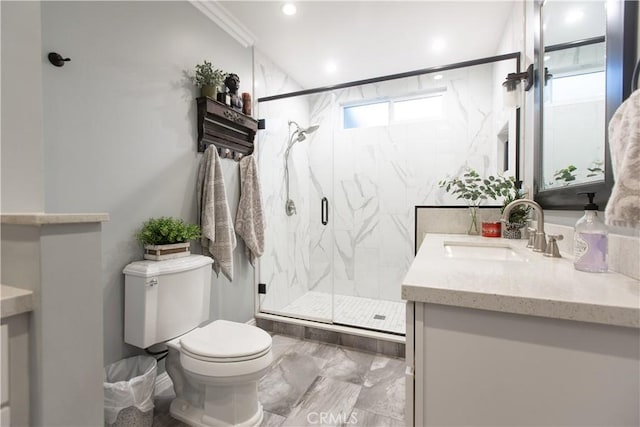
[{"x": 296, "y": 264}]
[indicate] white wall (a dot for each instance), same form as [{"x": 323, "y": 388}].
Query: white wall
[
  {"x": 120, "y": 131},
  {"x": 22, "y": 164}
]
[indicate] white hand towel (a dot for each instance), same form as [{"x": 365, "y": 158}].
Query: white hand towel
[
  {"x": 218, "y": 238},
  {"x": 249, "y": 218},
  {"x": 623, "y": 208}
]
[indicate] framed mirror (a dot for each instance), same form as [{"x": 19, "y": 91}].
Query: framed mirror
[{"x": 585, "y": 54}]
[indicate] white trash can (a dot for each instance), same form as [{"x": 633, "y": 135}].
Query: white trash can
[{"x": 128, "y": 392}]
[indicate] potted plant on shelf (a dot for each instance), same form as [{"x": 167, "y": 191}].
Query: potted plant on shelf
[
  {"x": 474, "y": 190},
  {"x": 166, "y": 238},
  {"x": 208, "y": 79}
]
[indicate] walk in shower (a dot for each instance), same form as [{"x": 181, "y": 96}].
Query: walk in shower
[{"x": 377, "y": 150}]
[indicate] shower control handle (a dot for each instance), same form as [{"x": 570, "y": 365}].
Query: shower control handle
[{"x": 324, "y": 211}]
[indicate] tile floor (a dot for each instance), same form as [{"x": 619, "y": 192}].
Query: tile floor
[
  {"x": 312, "y": 384},
  {"x": 381, "y": 315}
]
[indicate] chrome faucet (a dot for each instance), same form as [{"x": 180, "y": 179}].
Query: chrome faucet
[{"x": 540, "y": 241}]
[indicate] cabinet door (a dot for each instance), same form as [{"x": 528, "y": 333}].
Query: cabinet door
[{"x": 409, "y": 371}]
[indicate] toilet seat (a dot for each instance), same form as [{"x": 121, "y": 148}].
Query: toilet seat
[
  {"x": 224, "y": 341},
  {"x": 224, "y": 349}
]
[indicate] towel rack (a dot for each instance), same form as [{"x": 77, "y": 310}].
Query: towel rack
[{"x": 230, "y": 131}]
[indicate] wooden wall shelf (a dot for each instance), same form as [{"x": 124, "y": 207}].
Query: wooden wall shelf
[{"x": 229, "y": 130}]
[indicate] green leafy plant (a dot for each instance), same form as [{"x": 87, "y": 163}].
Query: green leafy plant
[
  {"x": 206, "y": 75},
  {"x": 166, "y": 230},
  {"x": 474, "y": 189},
  {"x": 566, "y": 174},
  {"x": 519, "y": 214}
]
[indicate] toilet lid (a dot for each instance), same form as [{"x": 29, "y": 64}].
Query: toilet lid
[{"x": 222, "y": 339}]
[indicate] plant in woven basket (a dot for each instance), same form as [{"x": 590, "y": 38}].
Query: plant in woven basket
[
  {"x": 166, "y": 230},
  {"x": 519, "y": 214}
]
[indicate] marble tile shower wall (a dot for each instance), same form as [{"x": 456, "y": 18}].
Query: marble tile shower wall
[
  {"x": 375, "y": 176},
  {"x": 285, "y": 263}
]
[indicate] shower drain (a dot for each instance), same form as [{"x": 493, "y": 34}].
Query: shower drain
[{"x": 379, "y": 317}]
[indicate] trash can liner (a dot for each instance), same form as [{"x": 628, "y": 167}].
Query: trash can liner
[{"x": 128, "y": 382}]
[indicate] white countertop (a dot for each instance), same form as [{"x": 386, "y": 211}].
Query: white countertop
[
  {"x": 537, "y": 285},
  {"x": 41, "y": 218},
  {"x": 14, "y": 301}
]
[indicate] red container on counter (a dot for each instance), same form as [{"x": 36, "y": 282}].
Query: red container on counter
[{"x": 492, "y": 229}]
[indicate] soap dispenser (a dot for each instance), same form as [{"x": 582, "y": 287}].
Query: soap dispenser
[{"x": 590, "y": 240}]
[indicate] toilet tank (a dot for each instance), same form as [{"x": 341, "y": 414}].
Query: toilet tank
[{"x": 165, "y": 299}]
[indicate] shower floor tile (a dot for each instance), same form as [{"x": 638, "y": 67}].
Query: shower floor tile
[{"x": 381, "y": 315}]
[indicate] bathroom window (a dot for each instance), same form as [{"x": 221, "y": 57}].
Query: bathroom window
[
  {"x": 383, "y": 113},
  {"x": 366, "y": 115},
  {"x": 425, "y": 108},
  {"x": 569, "y": 89}
]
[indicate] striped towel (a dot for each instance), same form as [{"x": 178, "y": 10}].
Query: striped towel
[
  {"x": 249, "y": 217},
  {"x": 218, "y": 238}
]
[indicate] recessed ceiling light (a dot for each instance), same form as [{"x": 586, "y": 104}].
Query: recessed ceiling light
[
  {"x": 330, "y": 67},
  {"x": 547, "y": 57},
  {"x": 438, "y": 45},
  {"x": 437, "y": 77},
  {"x": 573, "y": 16},
  {"x": 289, "y": 9}
]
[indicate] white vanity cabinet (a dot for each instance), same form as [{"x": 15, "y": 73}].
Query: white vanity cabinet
[{"x": 489, "y": 344}]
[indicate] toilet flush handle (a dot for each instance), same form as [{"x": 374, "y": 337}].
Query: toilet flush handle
[{"x": 153, "y": 282}]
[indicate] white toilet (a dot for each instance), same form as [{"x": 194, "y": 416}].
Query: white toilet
[{"x": 215, "y": 368}]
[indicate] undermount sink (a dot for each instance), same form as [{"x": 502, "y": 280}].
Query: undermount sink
[{"x": 495, "y": 251}]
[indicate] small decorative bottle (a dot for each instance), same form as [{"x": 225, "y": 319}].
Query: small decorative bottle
[{"x": 590, "y": 240}]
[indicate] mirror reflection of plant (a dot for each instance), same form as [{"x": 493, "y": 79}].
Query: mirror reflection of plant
[
  {"x": 566, "y": 174},
  {"x": 596, "y": 168}
]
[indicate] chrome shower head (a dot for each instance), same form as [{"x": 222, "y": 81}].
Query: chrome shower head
[
  {"x": 302, "y": 130},
  {"x": 300, "y": 133},
  {"x": 310, "y": 129}
]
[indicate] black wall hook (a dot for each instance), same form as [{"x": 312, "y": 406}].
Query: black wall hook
[{"x": 57, "y": 59}]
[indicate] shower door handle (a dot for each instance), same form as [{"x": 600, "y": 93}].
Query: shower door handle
[{"x": 324, "y": 211}]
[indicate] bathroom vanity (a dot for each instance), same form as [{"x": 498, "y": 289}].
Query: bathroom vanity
[{"x": 500, "y": 335}]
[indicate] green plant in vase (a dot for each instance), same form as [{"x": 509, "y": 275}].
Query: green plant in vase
[
  {"x": 474, "y": 189},
  {"x": 208, "y": 79}
]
